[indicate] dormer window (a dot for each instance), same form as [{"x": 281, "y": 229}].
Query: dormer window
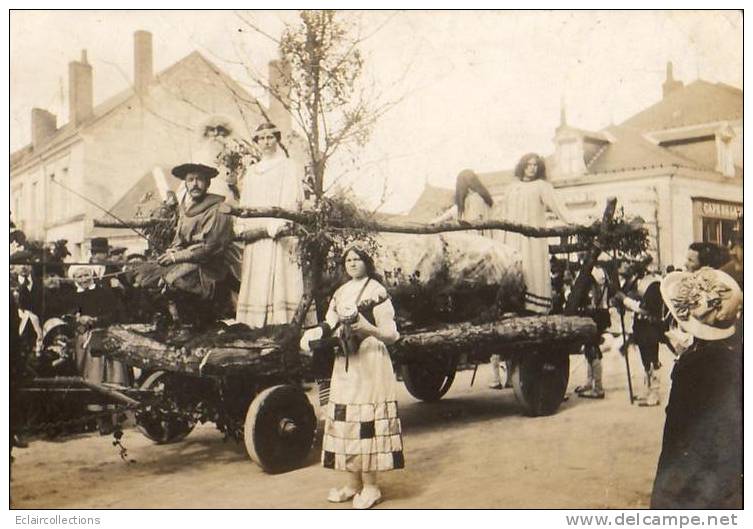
[
  {"x": 576, "y": 148},
  {"x": 715, "y": 146},
  {"x": 570, "y": 157}
]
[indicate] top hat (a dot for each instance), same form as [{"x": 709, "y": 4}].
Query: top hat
[{"x": 100, "y": 245}]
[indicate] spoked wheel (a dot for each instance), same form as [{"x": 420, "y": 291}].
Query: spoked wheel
[
  {"x": 429, "y": 380},
  {"x": 157, "y": 423},
  {"x": 279, "y": 428},
  {"x": 540, "y": 381}
]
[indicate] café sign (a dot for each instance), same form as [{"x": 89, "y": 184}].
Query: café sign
[{"x": 721, "y": 210}]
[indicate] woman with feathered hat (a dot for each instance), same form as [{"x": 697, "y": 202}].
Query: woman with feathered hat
[{"x": 700, "y": 466}]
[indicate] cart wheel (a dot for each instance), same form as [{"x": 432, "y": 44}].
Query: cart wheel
[
  {"x": 157, "y": 424},
  {"x": 279, "y": 428},
  {"x": 429, "y": 381},
  {"x": 540, "y": 381}
]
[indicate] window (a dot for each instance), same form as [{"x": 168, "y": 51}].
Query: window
[
  {"x": 58, "y": 196},
  {"x": 18, "y": 196},
  {"x": 718, "y": 231},
  {"x": 50, "y": 198},
  {"x": 571, "y": 157},
  {"x": 714, "y": 220},
  {"x": 34, "y": 197}
]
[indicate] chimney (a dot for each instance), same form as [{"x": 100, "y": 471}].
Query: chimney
[
  {"x": 143, "y": 73},
  {"x": 80, "y": 90},
  {"x": 43, "y": 126},
  {"x": 279, "y": 73},
  {"x": 670, "y": 85}
]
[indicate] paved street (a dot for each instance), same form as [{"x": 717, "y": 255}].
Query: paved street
[{"x": 473, "y": 449}]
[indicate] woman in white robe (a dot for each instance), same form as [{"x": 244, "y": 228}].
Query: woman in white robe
[
  {"x": 525, "y": 202},
  {"x": 271, "y": 276}
]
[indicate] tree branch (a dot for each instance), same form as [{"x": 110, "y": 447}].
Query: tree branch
[{"x": 387, "y": 226}]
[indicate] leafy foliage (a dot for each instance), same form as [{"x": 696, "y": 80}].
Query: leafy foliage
[
  {"x": 39, "y": 251},
  {"x": 425, "y": 303},
  {"x": 161, "y": 235},
  {"x": 235, "y": 158},
  {"x": 321, "y": 74},
  {"x": 625, "y": 236},
  {"x": 323, "y": 241}
]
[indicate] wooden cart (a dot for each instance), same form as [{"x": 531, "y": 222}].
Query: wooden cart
[{"x": 252, "y": 388}]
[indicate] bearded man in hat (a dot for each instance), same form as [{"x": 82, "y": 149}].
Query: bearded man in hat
[{"x": 195, "y": 263}]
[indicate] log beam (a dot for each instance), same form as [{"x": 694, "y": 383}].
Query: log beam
[
  {"x": 385, "y": 226},
  {"x": 534, "y": 332}
]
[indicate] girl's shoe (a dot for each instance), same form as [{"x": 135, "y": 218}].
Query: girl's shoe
[
  {"x": 340, "y": 495},
  {"x": 367, "y": 498}
]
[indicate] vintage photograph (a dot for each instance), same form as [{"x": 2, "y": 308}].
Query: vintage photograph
[{"x": 362, "y": 259}]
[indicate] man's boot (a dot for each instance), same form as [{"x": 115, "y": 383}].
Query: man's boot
[
  {"x": 652, "y": 389},
  {"x": 597, "y": 391},
  {"x": 589, "y": 381},
  {"x": 496, "y": 382},
  {"x": 508, "y": 373}
]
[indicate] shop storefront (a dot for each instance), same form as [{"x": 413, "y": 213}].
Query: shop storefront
[{"x": 715, "y": 220}]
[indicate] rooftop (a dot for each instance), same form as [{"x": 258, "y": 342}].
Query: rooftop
[{"x": 109, "y": 105}]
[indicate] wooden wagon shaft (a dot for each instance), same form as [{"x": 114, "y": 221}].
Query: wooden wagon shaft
[
  {"x": 113, "y": 393},
  {"x": 581, "y": 287},
  {"x": 505, "y": 335}
]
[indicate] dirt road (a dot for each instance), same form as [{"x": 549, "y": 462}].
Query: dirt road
[{"x": 473, "y": 449}]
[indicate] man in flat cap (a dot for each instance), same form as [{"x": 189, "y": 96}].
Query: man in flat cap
[{"x": 195, "y": 263}]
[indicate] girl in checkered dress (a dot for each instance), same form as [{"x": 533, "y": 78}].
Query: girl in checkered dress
[{"x": 362, "y": 430}]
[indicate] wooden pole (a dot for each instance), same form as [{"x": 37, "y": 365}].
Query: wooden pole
[
  {"x": 583, "y": 283},
  {"x": 386, "y": 226}
]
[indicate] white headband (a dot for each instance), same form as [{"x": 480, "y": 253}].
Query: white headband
[{"x": 263, "y": 131}]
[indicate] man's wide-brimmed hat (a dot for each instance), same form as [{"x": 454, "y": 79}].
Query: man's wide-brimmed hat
[
  {"x": 704, "y": 303},
  {"x": 202, "y": 164}
]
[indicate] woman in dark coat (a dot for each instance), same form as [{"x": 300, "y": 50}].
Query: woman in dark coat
[
  {"x": 96, "y": 306},
  {"x": 700, "y": 466}
]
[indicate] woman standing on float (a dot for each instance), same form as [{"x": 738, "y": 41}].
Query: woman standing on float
[
  {"x": 271, "y": 278},
  {"x": 525, "y": 202}
]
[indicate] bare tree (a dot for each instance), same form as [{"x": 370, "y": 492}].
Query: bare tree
[{"x": 319, "y": 82}]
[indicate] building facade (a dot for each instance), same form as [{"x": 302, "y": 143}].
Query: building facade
[
  {"x": 678, "y": 165},
  {"x": 68, "y": 175}
]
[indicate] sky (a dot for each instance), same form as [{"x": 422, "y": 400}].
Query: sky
[{"x": 477, "y": 89}]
